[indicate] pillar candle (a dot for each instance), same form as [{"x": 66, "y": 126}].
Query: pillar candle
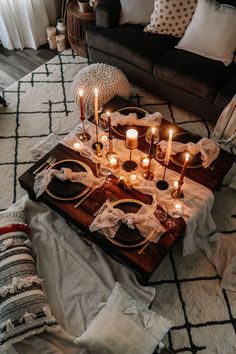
[
  {"x": 168, "y": 149},
  {"x": 96, "y": 106},
  {"x": 184, "y": 168},
  {"x": 81, "y": 102},
  {"x": 61, "y": 42},
  {"x": 131, "y": 139}
]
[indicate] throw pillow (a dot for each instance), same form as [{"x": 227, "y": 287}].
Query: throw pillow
[
  {"x": 23, "y": 307},
  {"x": 171, "y": 17},
  {"x": 212, "y": 32},
  {"x": 135, "y": 12},
  {"x": 124, "y": 326}
]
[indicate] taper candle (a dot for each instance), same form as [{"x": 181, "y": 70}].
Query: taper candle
[
  {"x": 81, "y": 102},
  {"x": 187, "y": 155},
  {"x": 168, "y": 149},
  {"x": 131, "y": 139},
  {"x": 96, "y": 106}
]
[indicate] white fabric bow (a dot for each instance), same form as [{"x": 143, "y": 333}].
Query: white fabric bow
[
  {"x": 109, "y": 219},
  {"x": 208, "y": 149},
  {"x": 132, "y": 119},
  {"x": 44, "y": 178}
]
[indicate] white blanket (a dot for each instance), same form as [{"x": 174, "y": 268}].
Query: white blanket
[{"x": 77, "y": 278}]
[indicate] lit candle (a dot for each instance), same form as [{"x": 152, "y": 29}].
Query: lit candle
[
  {"x": 104, "y": 138},
  {"x": 168, "y": 149},
  {"x": 131, "y": 139},
  {"x": 78, "y": 145},
  {"x": 176, "y": 209},
  {"x": 96, "y": 106},
  {"x": 113, "y": 161},
  {"x": 109, "y": 125},
  {"x": 81, "y": 102},
  {"x": 133, "y": 178},
  {"x": 176, "y": 184},
  {"x": 187, "y": 155},
  {"x": 144, "y": 162}
]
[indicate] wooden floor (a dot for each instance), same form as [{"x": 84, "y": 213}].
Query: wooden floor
[{"x": 14, "y": 64}]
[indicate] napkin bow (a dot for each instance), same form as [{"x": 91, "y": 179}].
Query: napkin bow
[
  {"x": 43, "y": 179},
  {"x": 132, "y": 119},
  {"x": 208, "y": 149},
  {"x": 109, "y": 219}
]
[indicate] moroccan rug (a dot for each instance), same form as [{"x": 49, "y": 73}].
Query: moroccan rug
[{"x": 187, "y": 288}]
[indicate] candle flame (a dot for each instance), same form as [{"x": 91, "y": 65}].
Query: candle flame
[
  {"x": 96, "y": 91},
  {"x": 178, "y": 206},
  {"x": 187, "y": 156},
  {"x": 81, "y": 93},
  {"x": 170, "y": 133},
  {"x": 153, "y": 130},
  {"x": 108, "y": 113}
]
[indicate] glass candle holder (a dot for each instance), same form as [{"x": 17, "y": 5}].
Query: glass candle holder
[
  {"x": 113, "y": 161},
  {"x": 150, "y": 132},
  {"x": 176, "y": 209},
  {"x": 144, "y": 161},
  {"x": 78, "y": 146}
]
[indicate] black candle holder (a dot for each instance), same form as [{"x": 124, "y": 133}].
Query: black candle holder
[
  {"x": 162, "y": 184},
  {"x": 94, "y": 146},
  {"x": 130, "y": 165}
]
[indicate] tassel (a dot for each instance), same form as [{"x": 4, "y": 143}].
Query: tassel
[
  {"x": 19, "y": 283},
  {"x": 8, "y": 325},
  {"x": 160, "y": 347},
  {"x": 47, "y": 312},
  {"x": 28, "y": 243},
  {"x": 6, "y": 244},
  {"x": 28, "y": 318}
]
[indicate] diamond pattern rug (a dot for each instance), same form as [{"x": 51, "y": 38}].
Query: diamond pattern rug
[{"x": 188, "y": 288}]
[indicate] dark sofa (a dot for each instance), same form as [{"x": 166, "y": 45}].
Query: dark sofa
[{"x": 199, "y": 85}]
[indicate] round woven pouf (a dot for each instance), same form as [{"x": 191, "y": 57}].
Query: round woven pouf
[{"x": 109, "y": 81}]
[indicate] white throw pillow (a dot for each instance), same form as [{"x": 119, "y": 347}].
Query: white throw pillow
[
  {"x": 123, "y": 326},
  {"x": 136, "y": 12},
  {"x": 212, "y": 32},
  {"x": 171, "y": 17}
]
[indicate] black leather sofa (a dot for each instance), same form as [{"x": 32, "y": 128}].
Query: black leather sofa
[{"x": 199, "y": 85}]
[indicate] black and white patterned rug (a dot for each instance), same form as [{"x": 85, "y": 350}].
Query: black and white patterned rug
[{"x": 188, "y": 288}]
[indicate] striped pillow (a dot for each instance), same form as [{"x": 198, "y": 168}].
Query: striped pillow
[{"x": 23, "y": 307}]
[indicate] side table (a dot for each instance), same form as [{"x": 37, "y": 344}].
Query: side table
[{"x": 77, "y": 23}]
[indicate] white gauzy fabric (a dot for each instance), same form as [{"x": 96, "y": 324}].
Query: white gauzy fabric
[
  {"x": 132, "y": 119},
  {"x": 226, "y": 125},
  {"x": 23, "y": 23},
  {"x": 208, "y": 148},
  {"x": 43, "y": 179},
  {"x": 109, "y": 218},
  {"x": 45, "y": 145},
  {"x": 221, "y": 251}
]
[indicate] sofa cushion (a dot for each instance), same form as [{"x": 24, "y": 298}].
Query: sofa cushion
[
  {"x": 205, "y": 38},
  {"x": 193, "y": 73},
  {"x": 171, "y": 17},
  {"x": 133, "y": 12},
  {"x": 131, "y": 44}
]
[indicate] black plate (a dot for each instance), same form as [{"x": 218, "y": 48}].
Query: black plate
[
  {"x": 195, "y": 161},
  {"x": 125, "y": 235},
  {"x": 121, "y": 129},
  {"x": 67, "y": 189}
]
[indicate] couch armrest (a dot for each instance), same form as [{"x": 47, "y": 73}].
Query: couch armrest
[{"x": 108, "y": 13}]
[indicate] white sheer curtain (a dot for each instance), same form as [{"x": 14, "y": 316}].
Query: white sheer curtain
[{"x": 23, "y": 23}]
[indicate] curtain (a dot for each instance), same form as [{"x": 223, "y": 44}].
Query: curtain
[{"x": 23, "y": 23}]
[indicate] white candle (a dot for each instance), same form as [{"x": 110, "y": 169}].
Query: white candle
[
  {"x": 131, "y": 139},
  {"x": 145, "y": 162},
  {"x": 168, "y": 149},
  {"x": 176, "y": 184},
  {"x": 78, "y": 145},
  {"x": 113, "y": 161},
  {"x": 96, "y": 106},
  {"x": 61, "y": 42},
  {"x": 133, "y": 178}
]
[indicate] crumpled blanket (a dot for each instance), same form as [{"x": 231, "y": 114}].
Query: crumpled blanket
[{"x": 132, "y": 119}]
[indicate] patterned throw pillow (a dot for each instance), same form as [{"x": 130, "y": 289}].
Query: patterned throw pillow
[
  {"x": 171, "y": 17},
  {"x": 23, "y": 307}
]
